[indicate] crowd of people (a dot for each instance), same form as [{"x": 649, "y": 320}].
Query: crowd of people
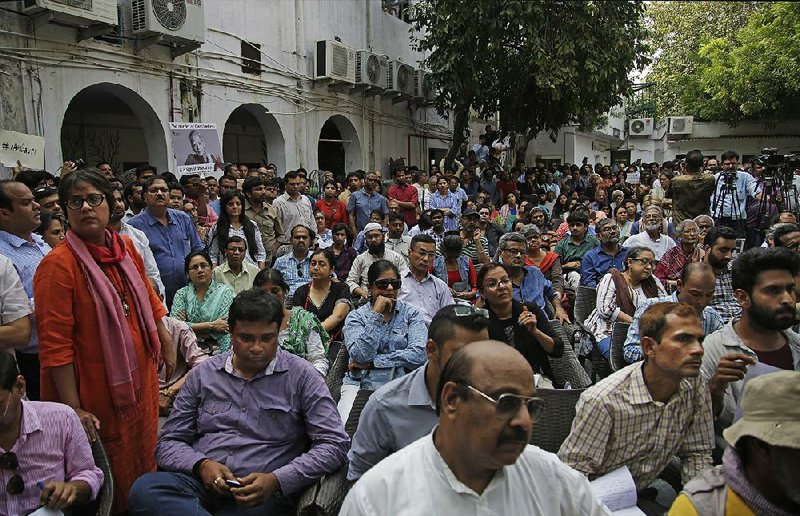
[{"x": 187, "y": 324}]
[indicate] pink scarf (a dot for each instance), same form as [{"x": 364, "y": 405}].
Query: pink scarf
[{"x": 116, "y": 341}]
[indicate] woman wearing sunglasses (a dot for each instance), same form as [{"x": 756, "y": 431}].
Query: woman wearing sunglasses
[
  {"x": 385, "y": 338},
  {"x": 523, "y": 326}
]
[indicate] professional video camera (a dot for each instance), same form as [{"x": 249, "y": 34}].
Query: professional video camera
[{"x": 776, "y": 165}]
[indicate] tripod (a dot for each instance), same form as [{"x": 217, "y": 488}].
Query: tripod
[
  {"x": 726, "y": 186},
  {"x": 778, "y": 195}
]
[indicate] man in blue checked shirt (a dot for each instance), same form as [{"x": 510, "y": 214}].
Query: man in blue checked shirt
[
  {"x": 295, "y": 265},
  {"x": 696, "y": 288}
]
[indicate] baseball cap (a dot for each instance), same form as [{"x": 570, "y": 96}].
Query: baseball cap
[
  {"x": 770, "y": 410},
  {"x": 469, "y": 212}
]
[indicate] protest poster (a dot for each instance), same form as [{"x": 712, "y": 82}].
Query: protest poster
[
  {"x": 196, "y": 149},
  {"x": 633, "y": 178},
  {"x": 28, "y": 149}
]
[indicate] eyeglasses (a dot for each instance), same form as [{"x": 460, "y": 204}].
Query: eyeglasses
[
  {"x": 466, "y": 311},
  {"x": 425, "y": 255},
  {"x": 76, "y": 203},
  {"x": 15, "y": 485},
  {"x": 383, "y": 284},
  {"x": 644, "y": 261},
  {"x": 507, "y": 405},
  {"x": 199, "y": 267},
  {"x": 514, "y": 252},
  {"x": 502, "y": 283}
]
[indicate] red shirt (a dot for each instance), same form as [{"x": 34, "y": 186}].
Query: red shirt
[
  {"x": 334, "y": 212},
  {"x": 405, "y": 193}
]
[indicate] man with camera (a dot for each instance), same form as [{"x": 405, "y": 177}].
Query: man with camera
[{"x": 733, "y": 188}]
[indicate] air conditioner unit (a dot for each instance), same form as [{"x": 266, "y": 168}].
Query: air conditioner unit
[
  {"x": 82, "y": 12},
  {"x": 680, "y": 124},
  {"x": 640, "y": 127},
  {"x": 332, "y": 60},
  {"x": 371, "y": 69},
  {"x": 400, "y": 78},
  {"x": 423, "y": 87},
  {"x": 179, "y": 22}
]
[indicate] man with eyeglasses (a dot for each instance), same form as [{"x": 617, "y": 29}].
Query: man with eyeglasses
[
  {"x": 236, "y": 272},
  {"x": 609, "y": 254},
  {"x": 650, "y": 411},
  {"x": 19, "y": 216},
  {"x": 729, "y": 207},
  {"x": 422, "y": 289},
  {"x": 295, "y": 266},
  {"x": 44, "y": 452},
  {"x": 652, "y": 237},
  {"x": 171, "y": 233},
  {"x": 478, "y": 458}
]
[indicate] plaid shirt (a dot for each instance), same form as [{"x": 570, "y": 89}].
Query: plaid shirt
[
  {"x": 618, "y": 423},
  {"x": 672, "y": 264},
  {"x": 724, "y": 301}
]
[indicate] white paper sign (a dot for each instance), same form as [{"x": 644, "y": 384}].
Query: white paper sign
[
  {"x": 25, "y": 148},
  {"x": 633, "y": 178},
  {"x": 196, "y": 149}
]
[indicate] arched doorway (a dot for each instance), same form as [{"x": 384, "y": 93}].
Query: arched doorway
[
  {"x": 339, "y": 149},
  {"x": 109, "y": 122},
  {"x": 253, "y": 137}
]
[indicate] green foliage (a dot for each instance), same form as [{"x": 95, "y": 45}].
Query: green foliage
[{"x": 541, "y": 65}]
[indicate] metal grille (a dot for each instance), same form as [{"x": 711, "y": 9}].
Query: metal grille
[
  {"x": 138, "y": 15},
  {"x": 80, "y": 4},
  {"x": 171, "y": 14},
  {"x": 339, "y": 61}
]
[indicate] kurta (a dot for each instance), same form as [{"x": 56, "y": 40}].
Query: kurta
[{"x": 69, "y": 334}]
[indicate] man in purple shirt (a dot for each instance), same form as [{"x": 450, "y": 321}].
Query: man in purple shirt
[{"x": 249, "y": 428}]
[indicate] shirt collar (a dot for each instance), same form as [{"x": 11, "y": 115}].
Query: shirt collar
[
  {"x": 442, "y": 469},
  {"x": 30, "y": 422},
  {"x": 16, "y": 241},
  {"x": 410, "y": 274},
  {"x": 152, "y": 218},
  {"x": 418, "y": 394},
  {"x": 276, "y": 365},
  {"x": 638, "y": 394}
]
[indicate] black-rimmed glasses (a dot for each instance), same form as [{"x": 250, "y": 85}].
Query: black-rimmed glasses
[
  {"x": 507, "y": 405},
  {"x": 76, "y": 203}
]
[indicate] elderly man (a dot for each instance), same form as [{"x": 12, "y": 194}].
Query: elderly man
[
  {"x": 528, "y": 282},
  {"x": 422, "y": 289},
  {"x": 477, "y": 459},
  {"x": 609, "y": 254},
  {"x": 696, "y": 288},
  {"x": 652, "y": 237},
  {"x": 764, "y": 285},
  {"x": 376, "y": 250},
  {"x": 402, "y": 411},
  {"x": 761, "y": 467},
  {"x": 295, "y": 265},
  {"x": 252, "y": 456},
  {"x": 648, "y": 412},
  {"x": 44, "y": 452}
]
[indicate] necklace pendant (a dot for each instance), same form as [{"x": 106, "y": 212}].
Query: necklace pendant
[{"x": 126, "y": 308}]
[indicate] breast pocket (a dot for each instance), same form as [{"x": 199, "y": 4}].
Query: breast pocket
[
  {"x": 214, "y": 415},
  {"x": 279, "y": 421}
]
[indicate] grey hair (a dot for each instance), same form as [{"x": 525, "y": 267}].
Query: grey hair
[
  {"x": 653, "y": 207},
  {"x": 514, "y": 236},
  {"x": 603, "y": 223},
  {"x": 682, "y": 226},
  {"x": 779, "y": 225},
  {"x": 703, "y": 217},
  {"x": 530, "y": 230}
]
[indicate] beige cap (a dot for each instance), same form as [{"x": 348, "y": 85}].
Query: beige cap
[{"x": 770, "y": 410}]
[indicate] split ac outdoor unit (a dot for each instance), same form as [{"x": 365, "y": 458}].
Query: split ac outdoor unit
[
  {"x": 332, "y": 60},
  {"x": 423, "y": 87},
  {"x": 371, "y": 69},
  {"x": 640, "y": 127},
  {"x": 680, "y": 124},
  {"x": 81, "y": 12},
  {"x": 401, "y": 78},
  {"x": 181, "y": 22}
]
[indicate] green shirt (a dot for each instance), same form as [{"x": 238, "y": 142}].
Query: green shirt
[{"x": 569, "y": 251}]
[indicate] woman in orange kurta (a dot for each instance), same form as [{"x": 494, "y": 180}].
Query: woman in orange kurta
[{"x": 93, "y": 301}]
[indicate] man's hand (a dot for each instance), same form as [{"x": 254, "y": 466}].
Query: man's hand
[
  {"x": 169, "y": 351},
  {"x": 257, "y": 488},
  {"x": 561, "y": 314},
  {"x": 731, "y": 368},
  {"x": 60, "y": 495},
  {"x": 365, "y": 366},
  {"x": 213, "y": 475}
]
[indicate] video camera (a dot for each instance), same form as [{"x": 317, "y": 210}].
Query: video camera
[{"x": 782, "y": 166}]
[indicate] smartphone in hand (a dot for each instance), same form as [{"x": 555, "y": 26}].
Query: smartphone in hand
[{"x": 234, "y": 483}]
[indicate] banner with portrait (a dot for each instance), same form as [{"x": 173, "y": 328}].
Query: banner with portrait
[{"x": 196, "y": 149}]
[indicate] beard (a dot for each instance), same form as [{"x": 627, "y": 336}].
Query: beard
[
  {"x": 377, "y": 249},
  {"x": 653, "y": 227},
  {"x": 767, "y": 319}
]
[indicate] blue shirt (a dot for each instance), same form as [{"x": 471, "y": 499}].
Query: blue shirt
[
  {"x": 361, "y": 204},
  {"x": 448, "y": 201},
  {"x": 745, "y": 187},
  {"x": 26, "y": 257},
  {"x": 288, "y": 265},
  {"x": 633, "y": 350},
  {"x": 395, "y": 416},
  {"x": 215, "y": 206},
  {"x": 398, "y": 342},
  {"x": 596, "y": 263},
  {"x": 535, "y": 288},
  {"x": 170, "y": 245}
]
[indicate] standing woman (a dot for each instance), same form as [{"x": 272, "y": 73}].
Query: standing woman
[
  {"x": 100, "y": 332},
  {"x": 233, "y": 221},
  {"x": 329, "y": 301}
]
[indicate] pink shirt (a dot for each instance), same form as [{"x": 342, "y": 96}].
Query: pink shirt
[{"x": 52, "y": 446}]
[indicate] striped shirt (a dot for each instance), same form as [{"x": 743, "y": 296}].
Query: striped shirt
[
  {"x": 52, "y": 447},
  {"x": 617, "y": 423}
]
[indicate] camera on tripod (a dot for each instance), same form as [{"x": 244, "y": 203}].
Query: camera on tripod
[{"x": 777, "y": 165}]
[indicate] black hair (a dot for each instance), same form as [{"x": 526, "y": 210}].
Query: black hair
[
  {"x": 152, "y": 179},
  {"x": 451, "y": 243},
  {"x": 311, "y": 233},
  {"x": 144, "y": 168},
  {"x": 251, "y": 182},
  {"x": 694, "y": 160},
  {"x": 378, "y": 268},
  {"x": 227, "y": 177},
  {"x": 273, "y": 276},
  {"x": 91, "y": 176},
  {"x": 328, "y": 254},
  {"x": 40, "y": 192},
  {"x": 782, "y": 231},
  {"x": 176, "y": 186},
  {"x": 5, "y": 200},
  {"x": 31, "y": 178},
  {"x": 195, "y": 254},
  {"x": 45, "y": 222},
  {"x": 8, "y": 371},
  {"x": 421, "y": 238},
  {"x": 457, "y": 369},
  {"x": 730, "y": 155},
  {"x": 396, "y": 216},
  {"x": 224, "y": 223},
  {"x": 377, "y": 212},
  {"x": 444, "y": 322},
  {"x": 752, "y": 262},
  {"x": 235, "y": 239},
  {"x": 292, "y": 174},
  {"x": 486, "y": 269},
  {"x": 339, "y": 226},
  {"x": 695, "y": 267},
  {"x": 717, "y": 232},
  {"x": 255, "y": 305},
  {"x": 578, "y": 216}
]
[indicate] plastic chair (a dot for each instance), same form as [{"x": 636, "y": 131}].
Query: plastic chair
[
  {"x": 336, "y": 373},
  {"x": 585, "y": 302},
  {"x": 552, "y": 429},
  {"x": 619, "y": 332},
  {"x": 567, "y": 368}
]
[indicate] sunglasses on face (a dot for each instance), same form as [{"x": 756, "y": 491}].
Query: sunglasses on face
[
  {"x": 507, "y": 405},
  {"x": 383, "y": 284},
  {"x": 9, "y": 462}
]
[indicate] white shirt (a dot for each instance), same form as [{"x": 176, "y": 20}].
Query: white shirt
[
  {"x": 416, "y": 480},
  {"x": 659, "y": 247},
  {"x": 142, "y": 244}
]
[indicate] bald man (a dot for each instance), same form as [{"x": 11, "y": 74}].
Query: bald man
[{"x": 478, "y": 456}]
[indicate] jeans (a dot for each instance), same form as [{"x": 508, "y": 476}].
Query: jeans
[
  {"x": 178, "y": 493},
  {"x": 604, "y": 345}
]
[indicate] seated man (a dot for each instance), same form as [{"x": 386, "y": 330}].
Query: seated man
[
  {"x": 574, "y": 247},
  {"x": 44, "y": 452},
  {"x": 401, "y": 411},
  {"x": 248, "y": 430},
  {"x": 759, "y": 471},
  {"x": 478, "y": 458},
  {"x": 696, "y": 288},
  {"x": 236, "y": 272},
  {"x": 422, "y": 289},
  {"x": 650, "y": 411},
  {"x": 597, "y": 262},
  {"x": 295, "y": 265}
]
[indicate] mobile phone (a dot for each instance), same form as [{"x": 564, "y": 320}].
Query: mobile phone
[{"x": 234, "y": 483}]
